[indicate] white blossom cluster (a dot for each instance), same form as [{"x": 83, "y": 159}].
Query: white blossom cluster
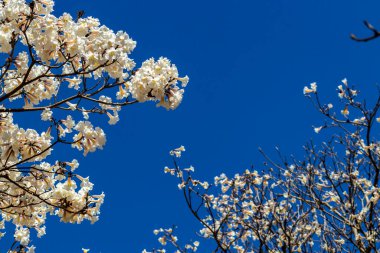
[
  {"x": 167, "y": 238},
  {"x": 27, "y": 196},
  {"x": 157, "y": 81},
  {"x": 20, "y": 144},
  {"x": 65, "y": 69},
  {"x": 60, "y": 49}
]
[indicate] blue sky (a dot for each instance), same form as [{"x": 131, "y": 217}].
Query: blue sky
[{"x": 248, "y": 62}]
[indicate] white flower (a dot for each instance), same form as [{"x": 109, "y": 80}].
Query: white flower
[
  {"x": 74, "y": 82},
  {"x": 73, "y": 164},
  {"x": 46, "y": 114},
  {"x": 22, "y": 235},
  {"x": 31, "y": 249},
  {"x": 69, "y": 123},
  {"x": 341, "y": 92},
  {"x": 113, "y": 118},
  {"x": 122, "y": 93},
  {"x": 72, "y": 106},
  {"x": 345, "y": 112},
  {"x": 318, "y": 129},
  {"x": 312, "y": 89},
  {"x": 85, "y": 115},
  {"x": 190, "y": 169},
  {"x": 162, "y": 240},
  {"x": 177, "y": 151},
  {"x": 184, "y": 80}
]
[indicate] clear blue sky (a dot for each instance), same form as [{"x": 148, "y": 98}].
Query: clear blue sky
[{"x": 248, "y": 62}]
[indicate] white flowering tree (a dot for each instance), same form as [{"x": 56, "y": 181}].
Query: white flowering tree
[
  {"x": 64, "y": 69},
  {"x": 326, "y": 202}
]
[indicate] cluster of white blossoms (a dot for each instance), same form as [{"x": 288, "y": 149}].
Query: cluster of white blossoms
[
  {"x": 29, "y": 194},
  {"x": 157, "y": 81},
  {"x": 65, "y": 69},
  {"x": 88, "y": 138},
  {"x": 167, "y": 238},
  {"x": 64, "y": 50},
  {"x": 312, "y": 89},
  {"x": 20, "y": 144}
]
